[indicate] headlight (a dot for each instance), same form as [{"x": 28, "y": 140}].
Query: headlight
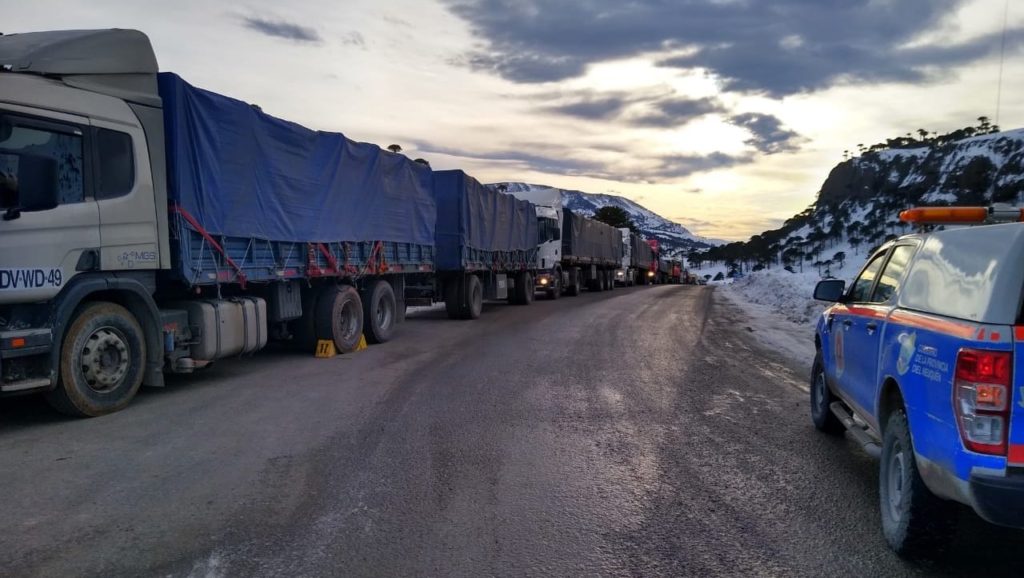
[
  {"x": 650, "y": 273},
  {"x": 543, "y": 281}
]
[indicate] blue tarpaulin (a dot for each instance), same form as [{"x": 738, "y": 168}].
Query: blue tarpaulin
[
  {"x": 471, "y": 217},
  {"x": 243, "y": 173}
]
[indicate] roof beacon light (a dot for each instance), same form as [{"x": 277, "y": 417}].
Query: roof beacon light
[{"x": 962, "y": 215}]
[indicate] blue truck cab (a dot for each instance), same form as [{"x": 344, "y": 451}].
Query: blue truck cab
[{"x": 921, "y": 360}]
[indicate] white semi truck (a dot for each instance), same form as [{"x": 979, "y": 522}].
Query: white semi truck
[
  {"x": 625, "y": 275},
  {"x": 573, "y": 251}
]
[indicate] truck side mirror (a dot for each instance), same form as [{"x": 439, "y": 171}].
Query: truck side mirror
[{"x": 830, "y": 290}]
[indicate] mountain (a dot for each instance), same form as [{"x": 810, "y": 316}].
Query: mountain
[
  {"x": 672, "y": 237},
  {"x": 859, "y": 203}
]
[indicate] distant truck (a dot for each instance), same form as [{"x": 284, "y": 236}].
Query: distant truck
[
  {"x": 486, "y": 247},
  {"x": 636, "y": 260},
  {"x": 573, "y": 251},
  {"x": 625, "y": 275},
  {"x": 152, "y": 227},
  {"x": 920, "y": 360}
]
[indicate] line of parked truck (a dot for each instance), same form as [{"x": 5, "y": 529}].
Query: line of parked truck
[{"x": 153, "y": 227}]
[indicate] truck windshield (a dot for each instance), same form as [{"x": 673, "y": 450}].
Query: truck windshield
[{"x": 548, "y": 230}]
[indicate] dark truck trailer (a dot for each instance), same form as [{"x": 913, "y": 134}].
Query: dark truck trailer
[
  {"x": 642, "y": 259},
  {"x": 486, "y": 246},
  {"x": 183, "y": 226},
  {"x": 669, "y": 271},
  {"x": 591, "y": 251}
]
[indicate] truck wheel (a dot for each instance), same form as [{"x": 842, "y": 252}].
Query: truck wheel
[
  {"x": 821, "y": 399},
  {"x": 573, "y": 290},
  {"x": 454, "y": 296},
  {"x": 611, "y": 280},
  {"x": 524, "y": 288},
  {"x": 914, "y": 520},
  {"x": 101, "y": 363},
  {"x": 474, "y": 297},
  {"x": 555, "y": 290},
  {"x": 339, "y": 317},
  {"x": 380, "y": 312}
]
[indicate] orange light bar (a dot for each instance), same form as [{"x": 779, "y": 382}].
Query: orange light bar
[
  {"x": 17, "y": 342},
  {"x": 945, "y": 215}
]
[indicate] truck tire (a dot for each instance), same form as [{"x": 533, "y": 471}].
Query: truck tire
[
  {"x": 573, "y": 290},
  {"x": 524, "y": 288},
  {"x": 611, "y": 280},
  {"x": 339, "y": 317},
  {"x": 821, "y": 400},
  {"x": 380, "y": 312},
  {"x": 454, "y": 297},
  {"x": 474, "y": 297},
  {"x": 914, "y": 520},
  {"x": 103, "y": 358},
  {"x": 555, "y": 290}
]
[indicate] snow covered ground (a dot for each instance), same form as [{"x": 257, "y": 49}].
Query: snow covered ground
[{"x": 781, "y": 306}]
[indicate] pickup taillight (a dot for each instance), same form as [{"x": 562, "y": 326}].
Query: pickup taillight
[{"x": 981, "y": 393}]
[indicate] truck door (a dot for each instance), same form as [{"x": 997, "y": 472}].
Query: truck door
[
  {"x": 124, "y": 192},
  {"x": 41, "y": 249},
  {"x": 855, "y": 325}
]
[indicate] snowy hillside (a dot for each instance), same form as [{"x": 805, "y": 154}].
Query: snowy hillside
[
  {"x": 857, "y": 209},
  {"x": 671, "y": 235}
]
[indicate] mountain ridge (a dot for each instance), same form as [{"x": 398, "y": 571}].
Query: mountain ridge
[{"x": 673, "y": 237}]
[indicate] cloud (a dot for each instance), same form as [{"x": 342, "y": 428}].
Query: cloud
[
  {"x": 641, "y": 110},
  {"x": 566, "y": 160},
  {"x": 282, "y": 29},
  {"x": 767, "y": 133},
  {"x": 590, "y": 106},
  {"x": 676, "y": 111},
  {"x": 776, "y": 48},
  {"x": 354, "y": 38}
]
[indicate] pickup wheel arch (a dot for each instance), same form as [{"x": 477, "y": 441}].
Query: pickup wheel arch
[
  {"x": 890, "y": 399},
  {"x": 128, "y": 292}
]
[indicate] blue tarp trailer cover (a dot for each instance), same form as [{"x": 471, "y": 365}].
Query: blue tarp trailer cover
[
  {"x": 481, "y": 229},
  {"x": 260, "y": 198}
]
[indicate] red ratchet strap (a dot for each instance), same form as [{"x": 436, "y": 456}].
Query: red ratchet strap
[{"x": 213, "y": 243}]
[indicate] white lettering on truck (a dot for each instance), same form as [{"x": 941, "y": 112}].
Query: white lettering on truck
[{"x": 19, "y": 279}]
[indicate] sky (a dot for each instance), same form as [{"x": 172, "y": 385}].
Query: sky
[{"x": 723, "y": 115}]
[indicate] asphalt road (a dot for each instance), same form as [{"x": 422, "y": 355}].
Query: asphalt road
[{"x": 638, "y": 432}]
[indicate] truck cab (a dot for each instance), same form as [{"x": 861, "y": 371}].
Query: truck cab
[
  {"x": 549, "y": 243},
  {"x": 920, "y": 360},
  {"x": 625, "y": 275},
  {"x": 81, "y": 191}
]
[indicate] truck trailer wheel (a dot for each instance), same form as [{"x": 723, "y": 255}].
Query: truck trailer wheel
[
  {"x": 101, "y": 363},
  {"x": 914, "y": 520},
  {"x": 474, "y": 298},
  {"x": 454, "y": 297},
  {"x": 380, "y": 312},
  {"x": 339, "y": 317}
]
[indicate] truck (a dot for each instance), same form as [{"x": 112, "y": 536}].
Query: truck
[
  {"x": 486, "y": 247},
  {"x": 625, "y": 275},
  {"x": 920, "y": 361},
  {"x": 637, "y": 260},
  {"x": 151, "y": 227},
  {"x": 572, "y": 251}
]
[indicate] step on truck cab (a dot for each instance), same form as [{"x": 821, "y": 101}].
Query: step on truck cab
[
  {"x": 152, "y": 227},
  {"x": 921, "y": 359}
]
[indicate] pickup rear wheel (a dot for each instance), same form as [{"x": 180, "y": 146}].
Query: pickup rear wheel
[
  {"x": 821, "y": 400},
  {"x": 914, "y": 520},
  {"x": 101, "y": 362}
]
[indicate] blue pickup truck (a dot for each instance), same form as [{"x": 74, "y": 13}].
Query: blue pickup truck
[{"x": 920, "y": 360}]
